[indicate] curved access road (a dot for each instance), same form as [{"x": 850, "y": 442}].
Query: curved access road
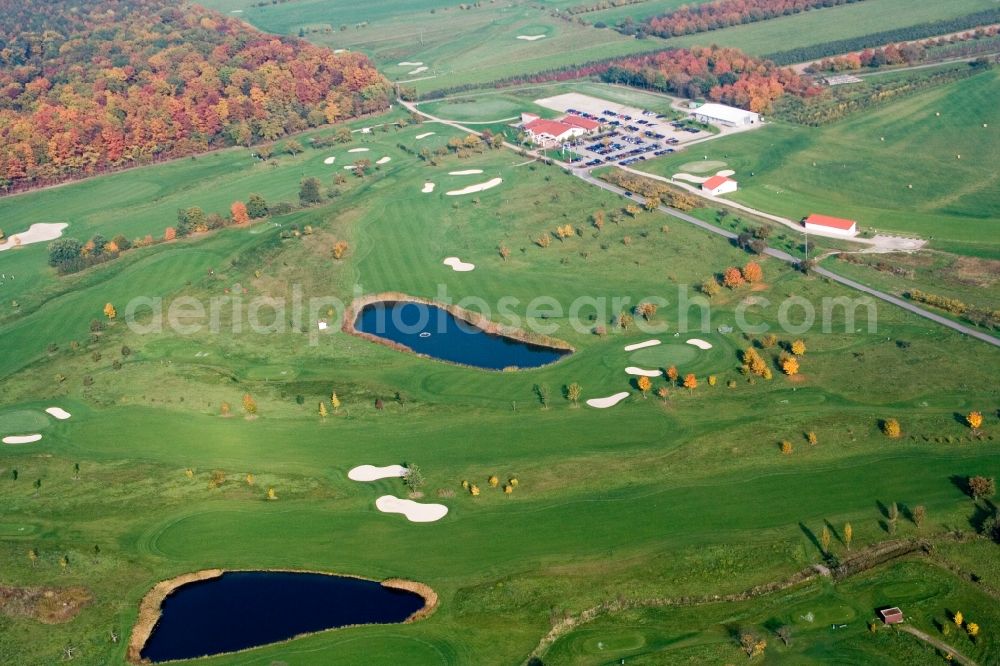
[{"x": 587, "y": 177}]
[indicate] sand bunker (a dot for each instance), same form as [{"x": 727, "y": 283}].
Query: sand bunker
[
  {"x": 39, "y": 232},
  {"x": 428, "y": 187},
  {"x": 466, "y": 172},
  {"x": 632, "y": 370},
  {"x": 415, "y": 512},
  {"x": 479, "y": 187},
  {"x": 700, "y": 344},
  {"x": 335, "y": 51},
  {"x": 383, "y": 160},
  {"x": 610, "y": 401},
  {"x": 322, "y": 325},
  {"x": 373, "y": 473},
  {"x": 410, "y": 64},
  {"x": 330, "y": 160},
  {"x": 642, "y": 345},
  {"x": 418, "y": 70},
  {"x": 358, "y": 150},
  {"x": 530, "y": 38},
  {"x": 21, "y": 439},
  {"x": 58, "y": 412},
  {"x": 458, "y": 265},
  {"x": 725, "y": 172},
  {"x": 689, "y": 178},
  {"x": 425, "y": 135}
]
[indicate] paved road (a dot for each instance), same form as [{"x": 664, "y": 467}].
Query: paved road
[{"x": 587, "y": 177}]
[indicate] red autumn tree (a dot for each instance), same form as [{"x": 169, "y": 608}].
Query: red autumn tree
[{"x": 239, "y": 212}]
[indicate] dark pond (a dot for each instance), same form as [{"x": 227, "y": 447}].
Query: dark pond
[
  {"x": 246, "y": 609},
  {"x": 430, "y": 330}
]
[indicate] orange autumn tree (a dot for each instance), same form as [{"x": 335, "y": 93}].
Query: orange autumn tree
[
  {"x": 690, "y": 382},
  {"x": 752, "y": 272},
  {"x": 644, "y": 385},
  {"x": 109, "y": 311},
  {"x": 239, "y": 212},
  {"x": 733, "y": 278},
  {"x": 249, "y": 405},
  {"x": 672, "y": 374},
  {"x": 790, "y": 365},
  {"x": 975, "y": 420},
  {"x": 169, "y": 234}
]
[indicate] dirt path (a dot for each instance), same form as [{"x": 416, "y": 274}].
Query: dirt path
[{"x": 944, "y": 647}]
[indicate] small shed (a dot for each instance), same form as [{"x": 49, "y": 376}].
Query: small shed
[{"x": 891, "y": 615}]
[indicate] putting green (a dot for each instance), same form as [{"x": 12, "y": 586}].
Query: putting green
[
  {"x": 663, "y": 356},
  {"x": 23, "y": 421},
  {"x": 609, "y": 640},
  {"x": 17, "y": 529},
  {"x": 702, "y": 166}
]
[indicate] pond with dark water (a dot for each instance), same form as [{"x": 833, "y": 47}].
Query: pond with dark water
[
  {"x": 435, "y": 332},
  {"x": 245, "y": 609}
]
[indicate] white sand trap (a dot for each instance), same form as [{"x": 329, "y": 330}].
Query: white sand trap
[
  {"x": 322, "y": 325},
  {"x": 466, "y": 172},
  {"x": 339, "y": 51},
  {"x": 610, "y": 401},
  {"x": 58, "y": 412},
  {"x": 700, "y": 344},
  {"x": 21, "y": 439},
  {"x": 415, "y": 512},
  {"x": 36, "y": 233},
  {"x": 458, "y": 265},
  {"x": 330, "y": 160},
  {"x": 358, "y": 150},
  {"x": 640, "y": 372},
  {"x": 428, "y": 187},
  {"x": 410, "y": 64},
  {"x": 425, "y": 135},
  {"x": 689, "y": 178},
  {"x": 725, "y": 172},
  {"x": 418, "y": 70},
  {"x": 373, "y": 473},
  {"x": 642, "y": 345},
  {"x": 383, "y": 160},
  {"x": 479, "y": 187},
  {"x": 530, "y": 38}
]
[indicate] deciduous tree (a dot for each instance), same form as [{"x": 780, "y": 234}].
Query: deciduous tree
[
  {"x": 733, "y": 278},
  {"x": 249, "y": 404},
  {"x": 690, "y": 382},
  {"x": 982, "y": 486},
  {"x": 848, "y": 535},
  {"x": 238, "y": 211},
  {"x": 790, "y": 365},
  {"x": 824, "y": 539},
  {"x": 798, "y": 347},
  {"x": 573, "y": 392},
  {"x": 975, "y": 420},
  {"x": 340, "y": 249},
  {"x": 109, "y": 311},
  {"x": 752, "y": 272},
  {"x": 891, "y": 428},
  {"x": 644, "y": 385}
]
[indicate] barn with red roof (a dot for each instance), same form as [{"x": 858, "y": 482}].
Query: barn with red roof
[
  {"x": 717, "y": 185},
  {"x": 827, "y": 225}
]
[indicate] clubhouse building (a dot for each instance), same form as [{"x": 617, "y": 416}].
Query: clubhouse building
[
  {"x": 727, "y": 116},
  {"x": 717, "y": 185},
  {"x": 549, "y": 133}
]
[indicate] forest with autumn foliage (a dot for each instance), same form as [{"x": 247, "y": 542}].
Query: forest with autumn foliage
[
  {"x": 88, "y": 86},
  {"x": 719, "y": 14},
  {"x": 719, "y": 74}
]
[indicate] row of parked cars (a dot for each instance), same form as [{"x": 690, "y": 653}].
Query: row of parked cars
[{"x": 633, "y": 139}]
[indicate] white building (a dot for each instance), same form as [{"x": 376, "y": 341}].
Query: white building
[
  {"x": 717, "y": 185},
  {"x": 830, "y": 226},
  {"x": 720, "y": 114}
]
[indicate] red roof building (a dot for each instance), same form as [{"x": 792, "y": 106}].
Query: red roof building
[
  {"x": 719, "y": 185},
  {"x": 835, "y": 225},
  {"x": 583, "y": 123}
]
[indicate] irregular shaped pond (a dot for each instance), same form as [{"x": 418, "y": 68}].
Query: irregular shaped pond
[
  {"x": 435, "y": 332},
  {"x": 244, "y": 609}
]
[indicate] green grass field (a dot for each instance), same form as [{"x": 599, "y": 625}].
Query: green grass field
[
  {"x": 688, "y": 495},
  {"x": 862, "y": 167}
]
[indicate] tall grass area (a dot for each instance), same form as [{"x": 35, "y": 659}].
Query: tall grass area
[{"x": 689, "y": 494}]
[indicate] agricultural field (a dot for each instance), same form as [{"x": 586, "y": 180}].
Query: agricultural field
[
  {"x": 939, "y": 141},
  {"x": 688, "y": 493}
]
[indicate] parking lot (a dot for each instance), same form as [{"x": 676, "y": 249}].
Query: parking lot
[{"x": 629, "y": 134}]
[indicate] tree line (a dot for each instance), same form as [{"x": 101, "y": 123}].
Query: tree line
[
  {"x": 107, "y": 85},
  {"x": 690, "y": 19},
  {"x": 910, "y": 53},
  {"x": 872, "y": 40},
  {"x": 974, "y": 315}
]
